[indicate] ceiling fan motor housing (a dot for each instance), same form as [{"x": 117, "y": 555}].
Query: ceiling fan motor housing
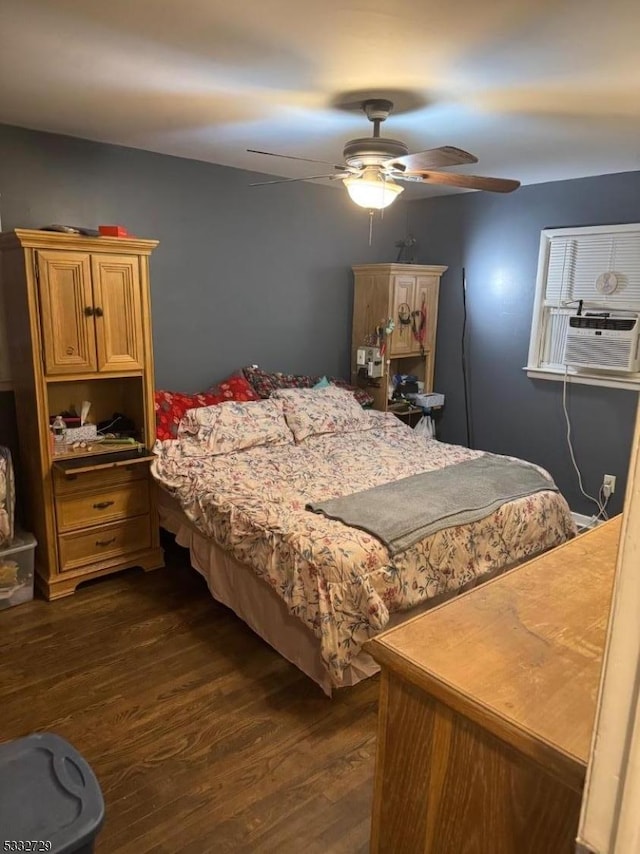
[
  {"x": 373, "y": 151},
  {"x": 377, "y": 109}
]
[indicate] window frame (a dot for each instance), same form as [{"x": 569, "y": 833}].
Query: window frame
[{"x": 534, "y": 368}]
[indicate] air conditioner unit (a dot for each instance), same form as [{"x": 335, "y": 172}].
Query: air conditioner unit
[{"x": 603, "y": 342}]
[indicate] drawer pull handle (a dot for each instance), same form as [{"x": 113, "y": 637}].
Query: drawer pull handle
[
  {"x": 88, "y": 310},
  {"x": 105, "y": 542},
  {"x": 102, "y": 505},
  {"x": 98, "y": 311}
]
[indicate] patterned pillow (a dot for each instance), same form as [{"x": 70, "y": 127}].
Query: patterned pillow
[
  {"x": 265, "y": 383},
  {"x": 260, "y": 381},
  {"x": 310, "y": 412},
  {"x": 234, "y": 426},
  {"x": 171, "y": 406},
  {"x": 235, "y": 387},
  {"x": 361, "y": 395}
]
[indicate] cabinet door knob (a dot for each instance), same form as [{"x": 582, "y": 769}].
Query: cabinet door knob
[
  {"x": 105, "y": 542},
  {"x": 88, "y": 310},
  {"x": 98, "y": 311},
  {"x": 102, "y": 505}
]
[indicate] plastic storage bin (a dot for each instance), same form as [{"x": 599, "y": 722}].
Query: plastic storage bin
[
  {"x": 48, "y": 793},
  {"x": 16, "y": 570}
]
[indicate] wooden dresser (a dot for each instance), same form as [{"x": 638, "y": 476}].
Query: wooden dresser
[
  {"x": 79, "y": 328},
  {"x": 487, "y": 706}
]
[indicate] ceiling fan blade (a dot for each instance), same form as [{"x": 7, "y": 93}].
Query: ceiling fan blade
[
  {"x": 433, "y": 158},
  {"x": 291, "y": 157},
  {"x": 406, "y": 176},
  {"x": 469, "y": 182},
  {"x": 291, "y": 180}
]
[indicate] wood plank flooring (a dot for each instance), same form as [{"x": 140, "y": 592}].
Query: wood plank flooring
[{"x": 202, "y": 737}]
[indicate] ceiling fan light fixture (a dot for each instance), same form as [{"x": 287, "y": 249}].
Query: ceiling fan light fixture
[{"x": 370, "y": 190}]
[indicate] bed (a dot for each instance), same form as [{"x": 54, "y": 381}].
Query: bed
[{"x": 236, "y": 485}]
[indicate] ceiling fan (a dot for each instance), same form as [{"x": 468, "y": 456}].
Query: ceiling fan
[{"x": 374, "y": 164}]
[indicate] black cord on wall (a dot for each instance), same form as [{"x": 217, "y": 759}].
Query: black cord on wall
[{"x": 465, "y": 383}]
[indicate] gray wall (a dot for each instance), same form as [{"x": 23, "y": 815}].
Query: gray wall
[
  {"x": 241, "y": 275},
  {"x": 496, "y": 238},
  {"x": 263, "y": 275}
]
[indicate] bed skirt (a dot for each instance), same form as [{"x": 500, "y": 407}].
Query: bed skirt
[{"x": 238, "y": 587}]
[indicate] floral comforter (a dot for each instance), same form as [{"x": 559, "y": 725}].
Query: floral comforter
[{"x": 342, "y": 582}]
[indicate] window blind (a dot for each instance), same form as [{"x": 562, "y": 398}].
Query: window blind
[{"x": 575, "y": 263}]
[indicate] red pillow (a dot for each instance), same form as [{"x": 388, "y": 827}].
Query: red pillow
[
  {"x": 235, "y": 387},
  {"x": 171, "y": 405}
]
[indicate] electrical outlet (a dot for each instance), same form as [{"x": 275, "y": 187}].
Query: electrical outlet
[{"x": 608, "y": 485}]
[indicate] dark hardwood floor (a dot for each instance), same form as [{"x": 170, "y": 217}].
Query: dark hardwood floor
[{"x": 202, "y": 737}]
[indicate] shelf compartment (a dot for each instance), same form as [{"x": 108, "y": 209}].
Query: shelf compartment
[{"x": 108, "y": 396}]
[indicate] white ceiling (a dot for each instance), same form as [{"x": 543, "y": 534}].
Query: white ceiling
[{"x": 538, "y": 90}]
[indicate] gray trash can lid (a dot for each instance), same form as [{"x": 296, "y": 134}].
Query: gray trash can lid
[{"x": 48, "y": 792}]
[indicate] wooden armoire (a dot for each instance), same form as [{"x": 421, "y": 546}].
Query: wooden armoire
[
  {"x": 79, "y": 328},
  {"x": 398, "y": 292}
]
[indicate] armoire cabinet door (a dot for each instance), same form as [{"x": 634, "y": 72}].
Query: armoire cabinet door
[
  {"x": 427, "y": 294},
  {"x": 118, "y": 312},
  {"x": 66, "y": 309},
  {"x": 403, "y": 296}
]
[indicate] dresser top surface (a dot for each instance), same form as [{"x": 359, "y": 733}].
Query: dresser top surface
[
  {"x": 525, "y": 647},
  {"x": 399, "y": 269},
  {"x": 33, "y": 238}
]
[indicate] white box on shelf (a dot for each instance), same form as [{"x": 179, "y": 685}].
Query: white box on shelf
[
  {"x": 429, "y": 401},
  {"x": 86, "y": 433}
]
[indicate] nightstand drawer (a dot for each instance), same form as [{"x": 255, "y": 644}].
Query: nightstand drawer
[
  {"x": 108, "y": 541},
  {"x": 83, "y": 509},
  {"x": 66, "y": 484}
]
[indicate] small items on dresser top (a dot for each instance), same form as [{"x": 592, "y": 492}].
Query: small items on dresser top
[
  {"x": 100, "y": 231},
  {"x": 113, "y": 231},
  {"x": 71, "y": 229}
]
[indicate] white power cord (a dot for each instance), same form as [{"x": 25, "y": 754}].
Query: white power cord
[
  {"x": 603, "y": 501},
  {"x": 599, "y": 502}
]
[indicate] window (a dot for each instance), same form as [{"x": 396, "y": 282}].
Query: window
[{"x": 591, "y": 271}]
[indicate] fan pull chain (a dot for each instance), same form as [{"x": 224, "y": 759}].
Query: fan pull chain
[{"x": 371, "y": 213}]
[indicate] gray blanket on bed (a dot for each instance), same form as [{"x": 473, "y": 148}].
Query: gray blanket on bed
[{"x": 403, "y": 512}]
